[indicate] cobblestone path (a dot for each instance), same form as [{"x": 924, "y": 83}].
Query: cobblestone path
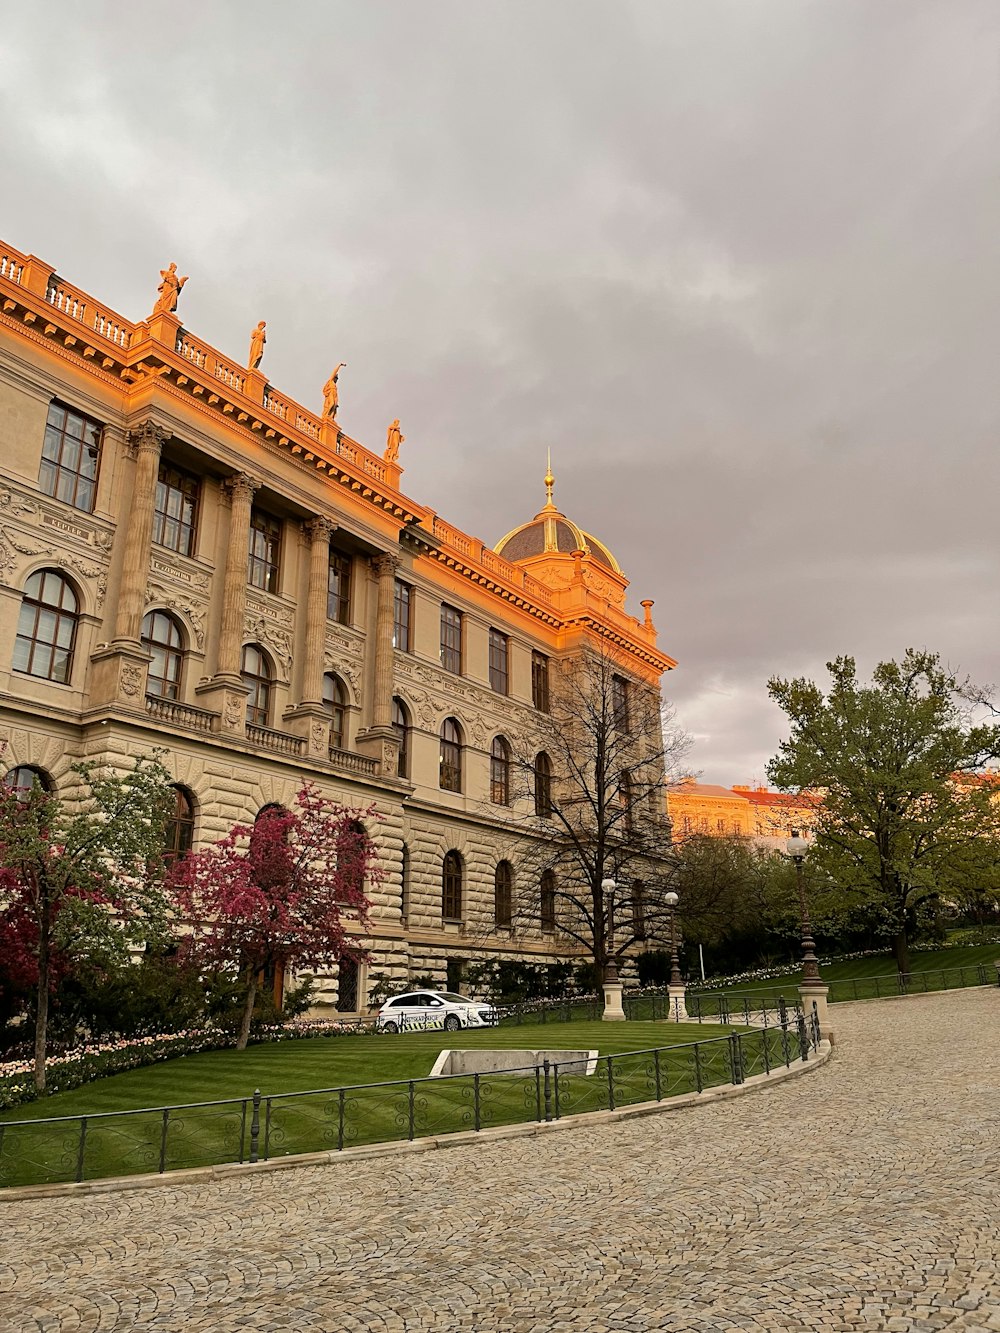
[{"x": 863, "y": 1196}]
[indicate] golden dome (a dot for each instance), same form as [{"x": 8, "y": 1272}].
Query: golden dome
[{"x": 550, "y": 532}]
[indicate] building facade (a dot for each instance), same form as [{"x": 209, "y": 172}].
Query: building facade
[
  {"x": 191, "y": 561},
  {"x": 768, "y": 817}
]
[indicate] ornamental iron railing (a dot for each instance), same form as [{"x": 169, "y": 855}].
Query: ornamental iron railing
[{"x": 256, "y": 1128}]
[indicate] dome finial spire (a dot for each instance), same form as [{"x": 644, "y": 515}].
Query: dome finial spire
[{"x": 550, "y": 481}]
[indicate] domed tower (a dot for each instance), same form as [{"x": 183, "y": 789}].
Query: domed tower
[{"x": 558, "y": 553}]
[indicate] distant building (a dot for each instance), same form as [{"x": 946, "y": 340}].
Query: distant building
[{"x": 768, "y": 817}]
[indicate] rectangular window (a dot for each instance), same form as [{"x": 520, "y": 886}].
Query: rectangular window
[
  {"x": 265, "y": 551},
  {"x": 639, "y": 910},
  {"x": 402, "y": 618},
  {"x": 338, "y": 589},
  {"x": 499, "y": 654},
  {"x": 175, "y": 510},
  {"x": 540, "y": 682},
  {"x": 547, "y": 905},
  {"x": 451, "y": 639},
  {"x": 71, "y": 451},
  {"x": 620, "y": 704}
]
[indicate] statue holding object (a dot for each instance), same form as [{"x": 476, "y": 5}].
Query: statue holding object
[
  {"x": 394, "y": 438},
  {"x": 169, "y": 290},
  {"x": 257, "y": 340},
  {"x": 331, "y": 397}
]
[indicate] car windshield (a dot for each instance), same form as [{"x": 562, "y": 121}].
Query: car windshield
[{"x": 452, "y": 998}]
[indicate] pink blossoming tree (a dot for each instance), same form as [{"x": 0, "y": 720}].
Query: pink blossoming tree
[{"x": 280, "y": 892}]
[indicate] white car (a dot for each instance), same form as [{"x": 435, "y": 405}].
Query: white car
[{"x": 424, "y": 1010}]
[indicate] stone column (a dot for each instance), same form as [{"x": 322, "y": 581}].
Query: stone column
[
  {"x": 381, "y": 740},
  {"x": 318, "y": 531},
  {"x": 146, "y": 442},
  {"x": 242, "y": 489},
  {"x": 384, "y": 567}
]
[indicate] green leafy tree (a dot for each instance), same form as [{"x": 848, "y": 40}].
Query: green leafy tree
[
  {"x": 82, "y": 881},
  {"x": 899, "y": 763}
]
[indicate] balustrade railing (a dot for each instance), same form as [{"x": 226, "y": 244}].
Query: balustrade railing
[
  {"x": 11, "y": 267},
  {"x": 353, "y": 763},
  {"x": 178, "y": 714},
  {"x": 279, "y": 741}
]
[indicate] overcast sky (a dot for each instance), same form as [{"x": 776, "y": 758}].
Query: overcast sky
[{"x": 734, "y": 261}]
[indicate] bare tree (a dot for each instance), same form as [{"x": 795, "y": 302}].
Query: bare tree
[{"x": 592, "y": 774}]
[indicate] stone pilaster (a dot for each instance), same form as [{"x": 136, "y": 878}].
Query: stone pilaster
[
  {"x": 146, "y": 442},
  {"x": 380, "y": 739},
  {"x": 311, "y": 718}
]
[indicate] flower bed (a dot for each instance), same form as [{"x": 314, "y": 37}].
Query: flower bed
[{"x": 72, "y": 1068}]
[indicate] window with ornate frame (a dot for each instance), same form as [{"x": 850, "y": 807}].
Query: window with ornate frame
[
  {"x": 621, "y": 704},
  {"x": 161, "y": 637},
  {"x": 180, "y": 826},
  {"x": 71, "y": 455},
  {"x": 547, "y": 901},
  {"x": 335, "y": 698},
  {"x": 22, "y": 780},
  {"x": 543, "y": 786},
  {"x": 265, "y": 551},
  {"x": 540, "y": 682},
  {"x": 46, "y": 627},
  {"x": 450, "y": 776},
  {"x": 175, "y": 510},
  {"x": 500, "y": 771},
  {"x": 451, "y": 886},
  {"x": 499, "y": 662},
  {"x": 451, "y": 639},
  {"x": 503, "y": 894},
  {"x": 402, "y": 623},
  {"x": 401, "y": 726},
  {"x": 338, "y": 587},
  {"x": 255, "y": 671}
]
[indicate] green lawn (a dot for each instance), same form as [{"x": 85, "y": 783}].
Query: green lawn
[{"x": 139, "y": 1139}]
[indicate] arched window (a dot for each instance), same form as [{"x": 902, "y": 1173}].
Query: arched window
[
  {"x": 348, "y": 976},
  {"x": 335, "y": 698},
  {"x": 547, "y": 900},
  {"x": 46, "y": 627},
  {"x": 23, "y": 779},
  {"x": 401, "y": 726},
  {"x": 500, "y": 771},
  {"x": 180, "y": 827},
  {"x": 450, "y": 777},
  {"x": 352, "y": 855},
  {"x": 161, "y": 638},
  {"x": 543, "y": 786},
  {"x": 256, "y": 673},
  {"x": 503, "y": 894},
  {"x": 451, "y": 887}
]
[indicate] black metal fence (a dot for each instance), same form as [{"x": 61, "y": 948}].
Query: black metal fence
[{"x": 261, "y": 1128}]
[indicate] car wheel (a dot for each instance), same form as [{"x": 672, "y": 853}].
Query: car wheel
[
  {"x": 390, "y": 1027},
  {"x": 452, "y": 1023}
]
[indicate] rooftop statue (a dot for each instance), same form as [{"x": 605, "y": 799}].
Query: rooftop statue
[
  {"x": 169, "y": 289},
  {"x": 331, "y": 398},
  {"x": 394, "y": 439},
  {"x": 257, "y": 340}
]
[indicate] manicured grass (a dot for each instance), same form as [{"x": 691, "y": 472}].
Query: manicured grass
[
  {"x": 138, "y": 1140},
  {"x": 931, "y": 962}
]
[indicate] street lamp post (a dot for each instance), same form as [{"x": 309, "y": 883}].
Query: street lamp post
[
  {"x": 613, "y": 1010},
  {"x": 676, "y": 990},
  {"x": 811, "y": 988}
]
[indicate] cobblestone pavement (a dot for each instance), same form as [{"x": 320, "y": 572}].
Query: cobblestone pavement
[{"x": 865, "y": 1195}]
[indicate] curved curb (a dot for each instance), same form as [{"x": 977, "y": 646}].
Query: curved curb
[{"x": 194, "y": 1175}]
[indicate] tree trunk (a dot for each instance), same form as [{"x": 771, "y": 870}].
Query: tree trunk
[
  {"x": 901, "y": 948},
  {"x": 244, "y": 1037},
  {"x": 42, "y": 997}
]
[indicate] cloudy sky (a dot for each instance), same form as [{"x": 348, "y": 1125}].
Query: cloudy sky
[{"x": 734, "y": 261}]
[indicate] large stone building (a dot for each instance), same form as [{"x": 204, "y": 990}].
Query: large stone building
[
  {"x": 191, "y": 560},
  {"x": 767, "y": 817}
]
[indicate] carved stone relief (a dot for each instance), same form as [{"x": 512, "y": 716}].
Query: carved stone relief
[
  {"x": 131, "y": 680},
  {"x": 267, "y": 610},
  {"x": 278, "y": 640},
  {"x": 194, "y": 613},
  {"x": 177, "y": 573}
]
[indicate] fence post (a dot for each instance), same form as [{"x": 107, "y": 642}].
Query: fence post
[
  {"x": 782, "y": 1010},
  {"x": 547, "y": 1086},
  {"x": 410, "y": 1111},
  {"x": 698, "y": 1083},
  {"x": 803, "y": 1039},
  {"x": 81, "y": 1148},
  {"x": 611, "y": 1082},
  {"x": 163, "y": 1136},
  {"x": 656, "y": 1072},
  {"x": 764, "y": 1047},
  {"x": 538, "y": 1093},
  {"x": 784, "y": 1044},
  {"x": 735, "y": 1057},
  {"x": 555, "y": 1088},
  {"x": 340, "y": 1120},
  {"x": 475, "y": 1102},
  {"x": 746, "y": 1009},
  {"x": 255, "y": 1127}
]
